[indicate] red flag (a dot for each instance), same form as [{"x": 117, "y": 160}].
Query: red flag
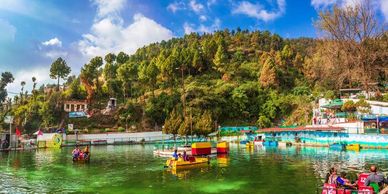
[{"x": 18, "y": 133}]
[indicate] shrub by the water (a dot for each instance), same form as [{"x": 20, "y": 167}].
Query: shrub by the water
[{"x": 121, "y": 129}]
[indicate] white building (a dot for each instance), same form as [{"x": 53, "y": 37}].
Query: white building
[{"x": 75, "y": 106}]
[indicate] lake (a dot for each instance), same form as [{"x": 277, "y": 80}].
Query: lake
[{"x": 134, "y": 169}]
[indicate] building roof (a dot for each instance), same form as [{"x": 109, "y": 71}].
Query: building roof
[
  {"x": 75, "y": 102},
  {"x": 299, "y": 129},
  {"x": 350, "y": 89},
  {"x": 334, "y": 104}
]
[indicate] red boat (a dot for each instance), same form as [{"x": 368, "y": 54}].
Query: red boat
[{"x": 362, "y": 189}]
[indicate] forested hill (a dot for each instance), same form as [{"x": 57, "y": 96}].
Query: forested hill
[
  {"x": 240, "y": 77},
  {"x": 224, "y": 78}
]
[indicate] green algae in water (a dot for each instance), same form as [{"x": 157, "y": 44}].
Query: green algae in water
[
  {"x": 221, "y": 186},
  {"x": 134, "y": 169}
]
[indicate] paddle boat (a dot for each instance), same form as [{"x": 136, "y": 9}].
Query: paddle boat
[
  {"x": 337, "y": 146},
  {"x": 259, "y": 140},
  {"x": 270, "y": 142},
  {"x": 353, "y": 147},
  {"x": 180, "y": 163},
  {"x": 82, "y": 159},
  {"x": 362, "y": 189},
  {"x": 249, "y": 144},
  {"x": 244, "y": 141}
]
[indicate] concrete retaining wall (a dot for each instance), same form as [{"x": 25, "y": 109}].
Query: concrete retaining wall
[{"x": 117, "y": 137}]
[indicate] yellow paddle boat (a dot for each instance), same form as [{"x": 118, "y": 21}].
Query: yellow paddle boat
[
  {"x": 249, "y": 144},
  {"x": 353, "y": 147},
  {"x": 180, "y": 163}
]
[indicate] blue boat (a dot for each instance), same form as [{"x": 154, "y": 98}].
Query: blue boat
[
  {"x": 244, "y": 142},
  {"x": 337, "y": 146},
  {"x": 270, "y": 143}
]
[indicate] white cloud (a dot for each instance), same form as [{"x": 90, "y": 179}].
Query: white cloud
[
  {"x": 189, "y": 28},
  {"x": 202, "y": 18},
  {"x": 53, "y": 48},
  {"x": 257, "y": 11},
  {"x": 384, "y": 9},
  {"x": 7, "y": 31},
  {"x": 54, "y": 54},
  {"x": 53, "y": 42},
  {"x": 196, "y": 7},
  {"x": 378, "y": 5},
  {"x": 211, "y": 2},
  {"x": 107, "y": 7},
  {"x": 173, "y": 7},
  {"x": 17, "y": 6},
  {"x": 322, "y": 3},
  {"x": 111, "y": 35},
  {"x": 42, "y": 74}
]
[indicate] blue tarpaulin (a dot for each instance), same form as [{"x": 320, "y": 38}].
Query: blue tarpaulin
[{"x": 77, "y": 114}]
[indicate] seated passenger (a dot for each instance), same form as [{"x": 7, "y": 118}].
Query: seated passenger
[
  {"x": 185, "y": 156},
  {"x": 175, "y": 154},
  {"x": 375, "y": 177},
  {"x": 180, "y": 158},
  {"x": 346, "y": 182},
  {"x": 334, "y": 178},
  {"x": 76, "y": 152},
  {"x": 86, "y": 152},
  {"x": 331, "y": 170}
]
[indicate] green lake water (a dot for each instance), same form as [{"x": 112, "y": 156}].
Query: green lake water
[{"x": 134, "y": 169}]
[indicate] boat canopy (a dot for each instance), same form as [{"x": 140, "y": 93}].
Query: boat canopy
[{"x": 299, "y": 129}]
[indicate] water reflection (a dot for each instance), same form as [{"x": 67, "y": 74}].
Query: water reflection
[{"x": 134, "y": 169}]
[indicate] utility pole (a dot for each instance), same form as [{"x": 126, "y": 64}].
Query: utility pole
[
  {"x": 191, "y": 125},
  {"x": 183, "y": 93},
  {"x": 10, "y": 133}
]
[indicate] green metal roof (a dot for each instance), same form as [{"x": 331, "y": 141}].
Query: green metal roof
[{"x": 336, "y": 103}]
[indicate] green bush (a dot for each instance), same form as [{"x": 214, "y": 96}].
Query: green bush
[
  {"x": 85, "y": 130},
  {"x": 121, "y": 129},
  {"x": 107, "y": 130},
  {"x": 385, "y": 97}
]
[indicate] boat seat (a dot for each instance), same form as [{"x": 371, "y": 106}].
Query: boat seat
[
  {"x": 375, "y": 187},
  {"x": 191, "y": 159},
  {"x": 361, "y": 179},
  {"x": 329, "y": 189},
  {"x": 365, "y": 190}
]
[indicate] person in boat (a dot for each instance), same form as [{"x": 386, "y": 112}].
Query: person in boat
[
  {"x": 180, "y": 158},
  {"x": 175, "y": 154},
  {"x": 81, "y": 155},
  {"x": 346, "y": 182},
  {"x": 185, "y": 156},
  {"x": 331, "y": 170},
  {"x": 86, "y": 152},
  {"x": 334, "y": 178},
  {"x": 375, "y": 177},
  {"x": 76, "y": 152}
]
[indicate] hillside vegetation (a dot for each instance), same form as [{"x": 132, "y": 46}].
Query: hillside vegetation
[{"x": 229, "y": 77}]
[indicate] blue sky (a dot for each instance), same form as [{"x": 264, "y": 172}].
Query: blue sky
[{"x": 33, "y": 33}]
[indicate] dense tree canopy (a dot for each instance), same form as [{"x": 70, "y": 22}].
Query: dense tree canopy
[{"x": 229, "y": 77}]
